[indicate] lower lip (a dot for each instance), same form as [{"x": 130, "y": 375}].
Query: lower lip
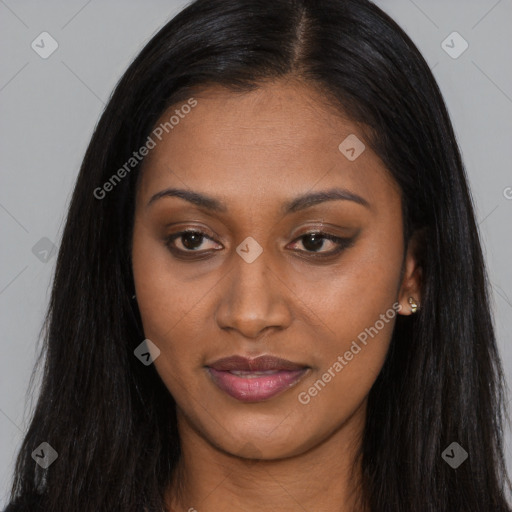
[{"x": 256, "y": 388}]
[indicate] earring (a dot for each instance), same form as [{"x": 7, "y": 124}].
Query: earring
[
  {"x": 133, "y": 296},
  {"x": 414, "y": 306}
]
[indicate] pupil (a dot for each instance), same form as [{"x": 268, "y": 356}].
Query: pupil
[
  {"x": 317, "y": 242},
  {"x": 196, "y": 238}
]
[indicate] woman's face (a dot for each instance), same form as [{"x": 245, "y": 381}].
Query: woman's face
[{"x": 253, "y": 282}]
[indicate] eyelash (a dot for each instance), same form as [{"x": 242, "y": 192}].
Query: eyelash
[{"x": 343, "y": 243}]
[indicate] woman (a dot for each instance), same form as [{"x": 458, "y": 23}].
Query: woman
[{"x": 270, "y": 292}]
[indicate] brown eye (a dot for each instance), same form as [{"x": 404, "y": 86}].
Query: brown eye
[
  {"x": 192, "y": 244},
  {"x": 314, "y": 242},
  {"x": 190, "y": 241}
]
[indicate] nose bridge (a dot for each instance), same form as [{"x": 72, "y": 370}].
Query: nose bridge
[{"x": 252, "y": 300}]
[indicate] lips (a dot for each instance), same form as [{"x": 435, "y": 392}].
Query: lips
[{"x": 255, "y": 380}]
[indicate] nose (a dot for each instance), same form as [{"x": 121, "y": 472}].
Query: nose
[{"x": 254, "y": 300}]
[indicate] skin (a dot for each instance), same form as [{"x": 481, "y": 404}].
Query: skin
[{"x": 254, "y": 152}]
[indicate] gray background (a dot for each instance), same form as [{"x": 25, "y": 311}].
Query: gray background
[{"x": 49, "y": 108}]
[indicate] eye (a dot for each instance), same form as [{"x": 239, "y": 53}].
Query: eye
[
  {"x": 315, "y": 241},
  {"x": 189, "y": 242}
]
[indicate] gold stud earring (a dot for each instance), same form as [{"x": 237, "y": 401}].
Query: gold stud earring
[{"x": 414, "y": 306}]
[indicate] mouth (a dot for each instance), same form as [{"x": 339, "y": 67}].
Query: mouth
[{"x": 255, "y": 380}]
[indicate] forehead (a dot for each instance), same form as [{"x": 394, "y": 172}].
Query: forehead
[{"x": 281, "y": 138}]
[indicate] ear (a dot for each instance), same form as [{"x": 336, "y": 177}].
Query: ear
[{"x": 411, "y": 285}]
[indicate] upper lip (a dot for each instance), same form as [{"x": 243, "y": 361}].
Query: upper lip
[{"x": 261, "y": 363}]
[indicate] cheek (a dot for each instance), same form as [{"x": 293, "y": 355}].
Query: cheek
[
  {"x": 172, "y": 310},
  {"x": 152, "y": 287},
  {"x": 358, "y": 307},
  {"x": 165, "y": 300},
  {"x": 351, "y": 296}
]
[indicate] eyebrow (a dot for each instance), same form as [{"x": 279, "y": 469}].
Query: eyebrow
[{"x": 299, "y": 203}]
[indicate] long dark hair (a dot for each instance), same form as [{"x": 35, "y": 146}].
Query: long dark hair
[{"x": 112, "y": 420}]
